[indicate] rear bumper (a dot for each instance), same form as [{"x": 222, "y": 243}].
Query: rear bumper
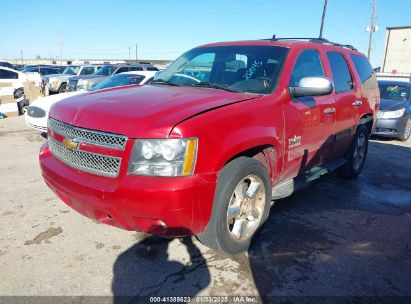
[
  {"x": 390, "y": 127},
  {"x": 170, "y": 206}
]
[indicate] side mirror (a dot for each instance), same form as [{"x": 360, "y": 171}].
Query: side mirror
[{"x": 312, "y": 86}]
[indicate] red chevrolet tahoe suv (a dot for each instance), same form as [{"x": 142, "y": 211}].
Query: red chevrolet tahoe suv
[{"x": 217, "y": 136}]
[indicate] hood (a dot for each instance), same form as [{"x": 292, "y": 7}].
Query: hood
[
  {"x": 392, "y": 104},
  {"x": 85, "y": 77},
  {"x": 149, "y": 111},
  {"x": 46, "y": 102},
  {"x": 58, "y": 76}
]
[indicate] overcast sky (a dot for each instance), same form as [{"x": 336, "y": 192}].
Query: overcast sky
[{"x": 164, "y": 29}]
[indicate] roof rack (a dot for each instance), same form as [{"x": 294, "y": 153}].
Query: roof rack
[{"x": 315, "y": 40}]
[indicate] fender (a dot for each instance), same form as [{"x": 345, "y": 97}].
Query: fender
[{"x": 230, "y": 131}]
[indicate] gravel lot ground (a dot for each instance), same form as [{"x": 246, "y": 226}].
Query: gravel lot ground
[{"x": 335, "y": 238}]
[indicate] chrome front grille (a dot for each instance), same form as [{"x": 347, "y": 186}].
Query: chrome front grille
[
  {"x": 72, "y": 84},
  {"x": 88, "y": 136},
  {"x": 85, "y": 161}
]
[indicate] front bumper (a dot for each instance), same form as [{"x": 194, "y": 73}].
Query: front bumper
[
  {"x": 174, "y": 206},
  {"x": 39, "y": 124},
  {"x": 392, "y": 127},
  {"x": 53, "y": 87}
]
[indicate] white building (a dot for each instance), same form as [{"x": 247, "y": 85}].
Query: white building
[{"x": 396, "y": 61}]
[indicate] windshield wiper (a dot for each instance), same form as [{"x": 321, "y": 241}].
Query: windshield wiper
[
  {"x": 166, "y": 82},
  {"x": 205, "y": 84}
]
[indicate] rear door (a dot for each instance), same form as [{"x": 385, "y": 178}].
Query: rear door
[
  {"x": 346, "y": 95},
  {"x": 309, "y": 121}
]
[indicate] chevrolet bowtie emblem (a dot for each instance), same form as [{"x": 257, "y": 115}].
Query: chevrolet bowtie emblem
[{"x": 70, "y": 144}]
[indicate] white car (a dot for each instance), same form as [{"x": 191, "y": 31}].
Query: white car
[
  {"x": 37, "y": 113},
  {"x": 10, "y": 81}
]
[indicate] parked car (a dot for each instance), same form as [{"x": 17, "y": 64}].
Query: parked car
[
  {"x": 11, "y": 84},
  {"x": 43, "y": 70},
  {"x": 57, "y": 83},
  {"x": 38, "y": 112},
  {"x": 84, "y": 82},
  {"x": 394, "y": 116},
  {"x": 206, "y": 157}
]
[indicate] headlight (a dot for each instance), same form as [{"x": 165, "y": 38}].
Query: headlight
[
  {"x": 393, "y": 114},
  {"x": 35, "y": 112},
  {"x": 163, "y": 157},
  {"x": 54, "y": 82},
  {"x": 83, "y": 84}
]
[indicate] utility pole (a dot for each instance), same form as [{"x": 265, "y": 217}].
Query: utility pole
[
  {"x": 372, "y": 27},
  {"x": 129, "y": 53},
  {"x": 136, "y": 52},
  {"x": 61, "y": 48},
  {"x": 322, "y": 18},
  {"x": 22, "y": 61}
]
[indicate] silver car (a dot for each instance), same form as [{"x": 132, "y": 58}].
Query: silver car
[
  {"x": 84, "y": 82},
  {"x": 57, "y": 83}
]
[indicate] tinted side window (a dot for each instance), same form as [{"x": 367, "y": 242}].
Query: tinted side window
[
  {"x": 3, "y": 74},
  {"x": 365, "y": 71},
  {"x": 87, "y": 71},
  {"x": 121, "y": 70},
  {"x": 136, "y": 68},
  {"x": 308, "y": 64},
  {"x": 8, "y": 75},
  {"x": 152, "y": 69},
  {"x": 341, "y": 73}
]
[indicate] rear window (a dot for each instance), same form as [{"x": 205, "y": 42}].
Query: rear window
[
  {"x": 395, "y": 91},
  {"x": 341, "y": 73},
  {"x": 152, "y": 69},
  {"x": 365, "y": 71}
]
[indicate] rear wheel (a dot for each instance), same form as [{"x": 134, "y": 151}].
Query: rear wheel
[
  {"x": 356, "y": 154},
  {"x": 241, "y": 206},
  {"x": 407, "y": 131}
]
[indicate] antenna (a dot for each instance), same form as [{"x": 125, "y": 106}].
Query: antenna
[
  {"x": 322, "y": 19},
  {"x": 61, "y": 47},
  {"x": 372, "y": 27}
]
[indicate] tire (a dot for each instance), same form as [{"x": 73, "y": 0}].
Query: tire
[
  {"x": 245, "y": 186},
  {"x": 62, "y": 88},
  {"x": 407, "y": 131},
  {"x": 356, "y": 154}
]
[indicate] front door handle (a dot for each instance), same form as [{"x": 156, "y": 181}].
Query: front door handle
[
  {"x": 357, "y": 103},
  {"x": 329, "y": 111}
]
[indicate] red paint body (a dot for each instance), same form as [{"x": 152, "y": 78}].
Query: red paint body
[{"x": 225, "y": 123}]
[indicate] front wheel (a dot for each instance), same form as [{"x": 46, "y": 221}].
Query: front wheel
[
  {"x": 356, "y": 154},
  {"x": 62, "y": 88},
  {"x": 407, "y": 131},
  {"x": 241, "y": 206}
]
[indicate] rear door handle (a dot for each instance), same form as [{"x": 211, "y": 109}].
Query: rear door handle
[
  {"x": 329, "y": 111},
  {"x": 357, "y": 103}
]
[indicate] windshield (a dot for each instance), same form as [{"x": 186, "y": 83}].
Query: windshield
[
  {"x": 394, "y": 91},
  {"x": 118, "y": 80},
  {"x": 72, "y": 70},
  {"x": 106, "y": 70},
  {"x": 240, "y": 68}
]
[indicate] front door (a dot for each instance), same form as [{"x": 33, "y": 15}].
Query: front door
[{"x": 309, "y": 121}]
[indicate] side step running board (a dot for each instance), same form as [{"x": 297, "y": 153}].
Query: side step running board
[{"x": 289, "y": 186}]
